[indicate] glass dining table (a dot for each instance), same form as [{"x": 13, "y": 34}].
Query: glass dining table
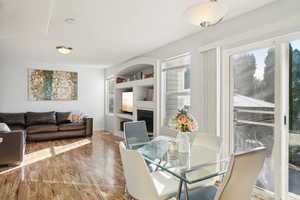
[{"x": 199, "y": 165}]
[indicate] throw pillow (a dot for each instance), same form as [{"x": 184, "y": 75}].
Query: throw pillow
[
  {"x": 63, "y": 117},
  {"x": 37, "y": 118},
  {"x": 4, "y": 128},
  {"x": 77, "y": 117}
]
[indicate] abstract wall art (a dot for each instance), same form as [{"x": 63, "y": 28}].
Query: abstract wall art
[{"x": 48, "y": 85}]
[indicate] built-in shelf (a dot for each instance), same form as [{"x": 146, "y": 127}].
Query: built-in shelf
[
  {"x": 145, "y": 104},
  {"x": 125, "y": 116},
  {"x": 142, "y": 82},
  {"x": 142, "y": 89}
]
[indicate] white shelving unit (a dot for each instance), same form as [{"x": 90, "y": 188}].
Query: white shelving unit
[{"x": 139, "y": 88}]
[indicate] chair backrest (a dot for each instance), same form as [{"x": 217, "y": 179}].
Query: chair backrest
[
  {"x": 208, "y": 141},
  {"x": 135, "y": 132},
  {"x": 242, "y": 174},
  {"x": 139, "y": 182}
]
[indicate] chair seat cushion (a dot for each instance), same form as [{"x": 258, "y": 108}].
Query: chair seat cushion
[
  {"x": 201, "y": 193},
  {"x": 165, "y": 184},
  {"x": 41, "y": 129},
  {"x": 71, "y": 127}
]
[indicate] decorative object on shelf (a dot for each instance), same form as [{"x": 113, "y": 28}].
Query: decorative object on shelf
[
  {"x": 149, "y": 75},
  {"x": 131, "y": 76},
  {"x": 206, "y": 14},
  {"x": 51, "y": 85},
  {"x": 138, "y": 75},
  {"x": 185, "y": 124},
  {"x": 121, "y": 80},
  {"x": 149, "y": 95}
]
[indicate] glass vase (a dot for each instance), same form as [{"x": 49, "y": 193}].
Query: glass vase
[{"x": 184, "y": 142}]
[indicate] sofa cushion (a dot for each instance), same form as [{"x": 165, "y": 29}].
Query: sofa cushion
[
  {"x": 36, "y": 118},
  {"x": 41, "y": 129},
  {"x": 13, "y": 118},
  {"x": 71, "y": 127},
  {"x": 63, "y": 117},
  {"x": 16, "y": 127}
]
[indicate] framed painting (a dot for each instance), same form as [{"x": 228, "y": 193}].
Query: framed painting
[{"x": 48, "y": 85}]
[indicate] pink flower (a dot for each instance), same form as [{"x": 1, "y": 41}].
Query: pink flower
[
  {"x": 193, "y": 126},
  {"x": 182, "y": 119}
]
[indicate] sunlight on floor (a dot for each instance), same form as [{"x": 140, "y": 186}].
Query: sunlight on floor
[{"x": 47, "y": 153}]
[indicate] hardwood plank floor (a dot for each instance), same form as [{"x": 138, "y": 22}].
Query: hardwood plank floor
[
  {"x": 81, "y": 168},
  {"x": 70, "y": 169}
]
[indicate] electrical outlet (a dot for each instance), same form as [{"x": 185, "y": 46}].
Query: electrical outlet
[{"x": 1, "y": 140}]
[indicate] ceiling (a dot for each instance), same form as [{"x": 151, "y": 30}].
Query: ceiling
[{"x": 105, "y": 32}]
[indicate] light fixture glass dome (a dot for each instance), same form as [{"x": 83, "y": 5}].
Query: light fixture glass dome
[
  {"x": 206, "y": 14},
  {"x": 64, "y": 50}
]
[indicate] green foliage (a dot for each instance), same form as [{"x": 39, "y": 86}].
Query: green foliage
[
  {"x": 245, "y": 81},
  {"x": 294, "y": 86},
  {"x": 294, "y": 155}
]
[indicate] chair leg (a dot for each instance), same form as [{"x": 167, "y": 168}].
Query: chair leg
[
  {"x": 186, "y": 191},
  {"x": 179, "y": 190},
  {"x": 125, "y": 190}
]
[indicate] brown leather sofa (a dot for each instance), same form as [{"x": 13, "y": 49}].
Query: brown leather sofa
[{"x": 47, "y": 126}]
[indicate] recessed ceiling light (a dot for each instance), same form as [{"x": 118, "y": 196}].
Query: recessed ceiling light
[
  {"x": 70, "y": 20},
  {"x": 64, "y": 50}
]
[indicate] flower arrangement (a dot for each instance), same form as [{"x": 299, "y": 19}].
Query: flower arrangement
[{"x": 184, "y": 121}]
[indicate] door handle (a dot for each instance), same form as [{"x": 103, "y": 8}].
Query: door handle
[{"x": 284, "y": 120}]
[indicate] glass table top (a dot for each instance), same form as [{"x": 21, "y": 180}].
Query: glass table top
[{"x": 198, "y": 165}]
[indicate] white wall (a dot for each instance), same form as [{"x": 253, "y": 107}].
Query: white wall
[
  {"x": 279, "y": 18},
  {"x": 13, "y": 90}
]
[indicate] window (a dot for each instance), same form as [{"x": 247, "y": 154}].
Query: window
[
  {"x": 110, "y": 95},
  {"x": 176, "y": 80}
]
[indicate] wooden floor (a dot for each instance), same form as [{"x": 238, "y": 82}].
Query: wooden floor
[
  {"x": 82, "y": 168},
  {"x": 70, "y": 169}
]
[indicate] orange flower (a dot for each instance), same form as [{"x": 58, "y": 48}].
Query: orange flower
[{"x": 182, "y": 119}]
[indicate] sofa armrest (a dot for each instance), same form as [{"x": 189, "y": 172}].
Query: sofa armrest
[
  {"x": 12, "y": 147},
  {"x": 88, "y": 122}
]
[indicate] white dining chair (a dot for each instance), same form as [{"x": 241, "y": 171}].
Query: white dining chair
[
  {"x": 140, "y": 183},
  {"x": 208, "y": 141},
  {"x": 205, "y": 149},
  {"x": 239, "y": 181},
  {"x": 135, "y": 133}
]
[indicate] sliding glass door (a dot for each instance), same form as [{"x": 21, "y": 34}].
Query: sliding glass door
[
  {"x": 263, "y": 104},
  {"x": 253, "y": 105}
]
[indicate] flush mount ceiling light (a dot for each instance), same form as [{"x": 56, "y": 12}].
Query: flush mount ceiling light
[
  {"x": 206, "y": 14},
  {"x": 64, "y": 50}
]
